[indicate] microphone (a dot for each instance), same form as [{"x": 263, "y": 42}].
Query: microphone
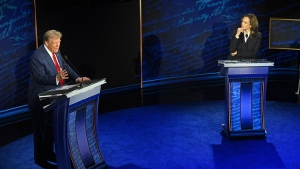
[{"x": 74, "y": 68}]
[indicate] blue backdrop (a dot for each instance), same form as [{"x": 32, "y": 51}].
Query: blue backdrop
[
  {"x": 182, "y": 38},
  {"x": 17, "y": 42}
]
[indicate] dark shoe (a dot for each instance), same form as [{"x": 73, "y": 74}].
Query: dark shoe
[
  {"x": 46, "y": 165},
  {"x": 51, "y": 157}
]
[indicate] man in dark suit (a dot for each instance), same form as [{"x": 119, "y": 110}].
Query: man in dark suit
[
  {"x": 48, "y": 70},
  {"x": 246, "y": 40}
]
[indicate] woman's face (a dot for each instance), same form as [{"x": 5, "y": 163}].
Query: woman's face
[{"x": 246, "y": 24}]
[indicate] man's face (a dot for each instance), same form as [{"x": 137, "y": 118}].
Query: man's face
[{"x": 53, "y": 44}]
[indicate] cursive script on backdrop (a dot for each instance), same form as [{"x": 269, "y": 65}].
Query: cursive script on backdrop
[
  {"x": 195, "y": 34},
  {"x": 17, "y": 38}
]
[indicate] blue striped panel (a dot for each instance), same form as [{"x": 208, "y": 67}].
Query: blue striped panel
[
  {"x": 91, "y": 133},
  {"x": 74, "y": 149},
  {"x": 82, "y": 138},
  {"x": 235, "y": 90},
  {"x": 256, "y": 105}
]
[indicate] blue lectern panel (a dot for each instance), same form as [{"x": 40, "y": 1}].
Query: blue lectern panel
[
  {"x": 92, "y": 134},
  {"x": 83, "y": 140},
  {"x": 246, "y": 104},
  {"x": 256, "y": 105},
  {"x": 246, "y": 81},
  {"x": 75, "y": 125},
  {"x": 235, "y": 106},
  {"x": 73, "y": 141},
  {"x": 81, "y": 125}
]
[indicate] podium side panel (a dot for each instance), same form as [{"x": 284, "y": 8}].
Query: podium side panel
[
  {"x": 246, "y": 106},
  {"x": 83, "y": 139},
  {"x": 245, "y": 87},
  {"x": 61, "y": 135},
  {"x": 235, "y": 105},
  {"x": 257, "y": 100}
]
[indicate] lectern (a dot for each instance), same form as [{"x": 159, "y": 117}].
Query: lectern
[
  {"x": 245, "y": 87},
  {"x": 75, "y": 124}
]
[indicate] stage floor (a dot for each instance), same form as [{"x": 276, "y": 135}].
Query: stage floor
[
  {"x": 279, "y": 91},
  {"x": 177, "y": 126},
  {"x": 181, "y": 135}
]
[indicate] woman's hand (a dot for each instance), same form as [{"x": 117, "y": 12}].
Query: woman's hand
[
  {"x": 234, "y": 53},
  {"x": 238, "y": 32}
]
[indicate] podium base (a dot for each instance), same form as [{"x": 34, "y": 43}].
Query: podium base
[{"x": 243, "y": 133}]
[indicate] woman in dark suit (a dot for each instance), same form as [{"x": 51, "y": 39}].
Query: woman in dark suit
[
  {"x": 45, "y": 75},
  {"x": 246, "y": 40}
]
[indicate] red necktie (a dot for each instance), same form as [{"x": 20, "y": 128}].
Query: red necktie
[{"x": 61, "y": 82}]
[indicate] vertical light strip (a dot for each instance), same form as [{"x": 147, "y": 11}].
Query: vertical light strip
[
  {"x": 270, "y": 23},
  {"x": 141, "y": 54},
  {"x": 263, "y": 104},
  {"x": 228, "y": 116},
  {"x": 35, "y": 25},
  {"x": 141, "y": 45}
]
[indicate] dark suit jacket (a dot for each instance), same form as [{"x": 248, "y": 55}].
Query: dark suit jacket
[
  {"x": 43, "y": 75},
  {"x": 244, "y": 50}
]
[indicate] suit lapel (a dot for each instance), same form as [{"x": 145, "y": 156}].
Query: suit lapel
[
  {"x": 50, "y": 62},
  {"x": 250, "y": 42}
]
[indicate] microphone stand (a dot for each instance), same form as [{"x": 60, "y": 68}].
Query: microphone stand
[{"x": 74, "y": 68}]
